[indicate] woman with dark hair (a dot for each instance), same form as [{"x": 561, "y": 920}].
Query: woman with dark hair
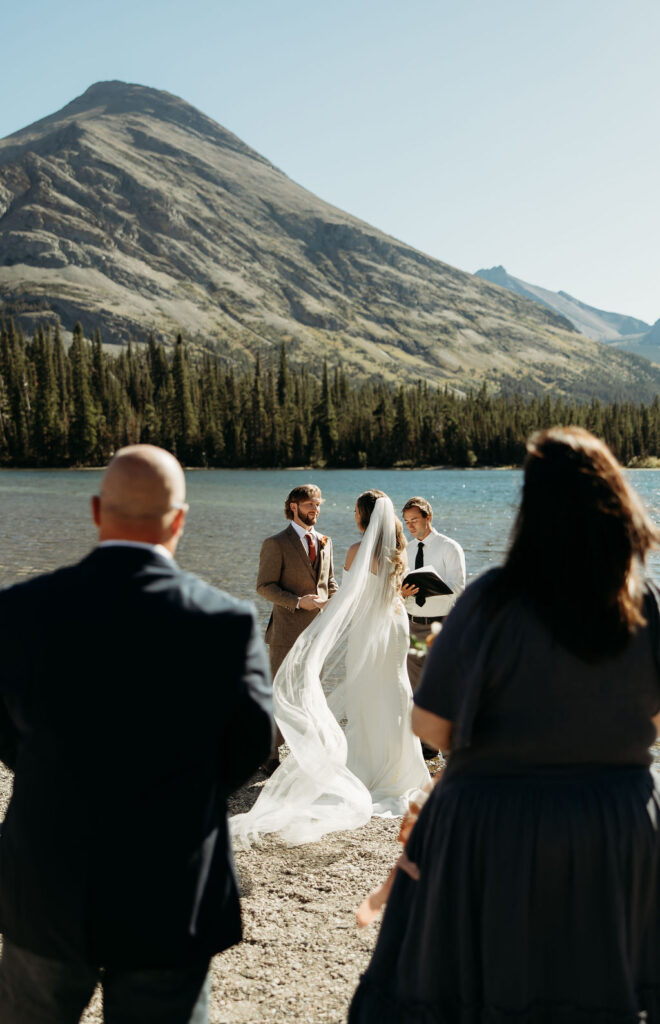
[{"x": 536, "y": 896}]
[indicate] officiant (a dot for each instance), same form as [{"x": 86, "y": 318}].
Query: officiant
[{"x": 429, "y": 548}]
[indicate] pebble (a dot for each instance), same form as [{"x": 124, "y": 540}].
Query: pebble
[{"x": 302, "y": 954}]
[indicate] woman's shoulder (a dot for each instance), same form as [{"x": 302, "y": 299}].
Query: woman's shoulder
[
  {"x": 651, "y": 591},
  {"x": 486, "y": 580},
  {"x": 471, "y": 610},
  {"x": 350, "y": 555},
  {"x": 651, "y": 610},
  {"x": 480, "y": 588}
]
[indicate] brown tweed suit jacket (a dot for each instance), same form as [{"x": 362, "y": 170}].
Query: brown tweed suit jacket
[{"x": 285, "y": 574}]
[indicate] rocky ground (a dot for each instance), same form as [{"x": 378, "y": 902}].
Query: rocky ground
[{"x": 302, "y": 954}]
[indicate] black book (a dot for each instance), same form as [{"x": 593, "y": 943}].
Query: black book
[{"x": 430, "y": 582}]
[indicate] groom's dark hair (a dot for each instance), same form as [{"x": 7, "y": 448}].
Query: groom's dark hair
[
  {"x": 420, "y": 503},
  {"x": 300, "y": 494}
]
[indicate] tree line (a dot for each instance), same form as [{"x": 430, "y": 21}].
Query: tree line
[{"x": 76, "y": 406}]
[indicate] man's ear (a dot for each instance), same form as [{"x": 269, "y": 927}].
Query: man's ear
[
  {"x": 96, "y": 510},
  {"x": 178, "y": 522}
]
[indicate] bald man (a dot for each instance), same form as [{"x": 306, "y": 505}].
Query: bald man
[{"x": 126, "y": 733}]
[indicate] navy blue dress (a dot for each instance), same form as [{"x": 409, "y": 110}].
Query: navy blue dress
[{"x": 539, "y": 850}]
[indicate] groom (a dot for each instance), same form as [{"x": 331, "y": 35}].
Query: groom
[
  {"x": 296, "y": 575},
  {"x": 115, "y": 863}
]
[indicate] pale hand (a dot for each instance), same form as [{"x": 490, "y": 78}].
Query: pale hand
[
  {"x": 311, "y": 603},
  {"x": 409, "y": 590}
]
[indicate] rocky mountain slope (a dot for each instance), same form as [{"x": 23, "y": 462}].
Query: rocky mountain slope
[
  {"x": 648, "y": 345},
  {"x": 133, "y": 212},
  {"x": 626, "y": 332}
]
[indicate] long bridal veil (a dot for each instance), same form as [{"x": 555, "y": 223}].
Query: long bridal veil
[{"x": 313, "y": 792}]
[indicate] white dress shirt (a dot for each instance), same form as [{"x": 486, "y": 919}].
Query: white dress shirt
[
  {"x": 448, "y": 560},
  {"x": 302, "y": 533},
  {"x": 310, "y": 532}
]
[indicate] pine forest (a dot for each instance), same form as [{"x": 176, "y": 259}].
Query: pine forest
[{"x": 76, "y": 406}]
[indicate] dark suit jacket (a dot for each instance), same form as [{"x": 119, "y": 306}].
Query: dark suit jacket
[
  {"x": 285, "y": 574},
  {"x": 135, "y": 698}
]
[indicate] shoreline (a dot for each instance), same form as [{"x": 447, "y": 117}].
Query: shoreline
[
  {"x": 312, "y": 469},
  {"x": 278, "y": 469}
]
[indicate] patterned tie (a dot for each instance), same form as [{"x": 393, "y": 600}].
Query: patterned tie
[
  {"x": 311, "y": 546},
  {"x": 419, "y": 562}
]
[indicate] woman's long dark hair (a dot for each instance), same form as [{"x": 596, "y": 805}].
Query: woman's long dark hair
[{"x": 579, "y": 543}]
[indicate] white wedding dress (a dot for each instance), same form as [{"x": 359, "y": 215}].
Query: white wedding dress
[
  {"x": 382, "y": 751},
  {"x": 334, "y": 779}
]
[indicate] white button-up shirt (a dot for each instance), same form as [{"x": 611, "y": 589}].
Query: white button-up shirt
[
  {"x": 302, "y": 533},
  {"x": 447, "y": 558}
]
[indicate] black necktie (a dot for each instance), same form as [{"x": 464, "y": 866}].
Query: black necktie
[{"x": 419, "y": 562}]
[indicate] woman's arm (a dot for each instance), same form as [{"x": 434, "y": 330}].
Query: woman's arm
[{"x": 432, "y": 729}]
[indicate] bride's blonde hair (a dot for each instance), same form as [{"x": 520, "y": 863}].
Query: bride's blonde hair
[{"x": 365, "y": 506}]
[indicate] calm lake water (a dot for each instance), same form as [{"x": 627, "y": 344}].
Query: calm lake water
[{"x": 46, "y": 520}]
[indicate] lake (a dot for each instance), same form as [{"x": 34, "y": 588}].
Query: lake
[{"x": 46, "y": 520}]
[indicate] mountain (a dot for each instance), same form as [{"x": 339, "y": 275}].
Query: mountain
[
  {"x": 131, "y": 211},
  {"x": 648, "y": 344},
  {"x": 625, "y": 332}
]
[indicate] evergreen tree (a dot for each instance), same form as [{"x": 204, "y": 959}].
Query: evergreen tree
[
  {"x": 77, "y": 407},
  {"x": 44, "y": 421},
  {"x": 403, "y": 441},
  {"x": 283, "y": 379},
  {"x": 256, "y": 432},
  {"x": 186, "y": 425},
  {"x": 326, "y": 420},
  {"x": 82, "y": 436}
]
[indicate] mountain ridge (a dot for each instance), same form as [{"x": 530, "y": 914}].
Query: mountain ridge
[
  {"x": 625, "y": 332},
  {"x": 131, "y": 211},
  {"x": 116, "y": 97}
]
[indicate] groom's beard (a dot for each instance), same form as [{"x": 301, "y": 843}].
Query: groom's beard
[{"x": 308, "y": 518}]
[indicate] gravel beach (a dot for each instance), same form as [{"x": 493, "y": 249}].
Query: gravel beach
[{"x": 302, "y": 954}]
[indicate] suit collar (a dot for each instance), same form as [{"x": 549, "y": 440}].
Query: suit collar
[
  {"x": 155, "y": 548},
  {"x": 301, "y": 532},
  {"x": 130, "y": 557}
]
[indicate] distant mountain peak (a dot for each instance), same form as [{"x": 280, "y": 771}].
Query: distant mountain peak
[
  {"x": 115, "y": 87},
  {"x": 129, "y": 97},
  {"x": 133, "y": 212},
  {"x": 116, "y": 99},
  {"x": 599, "y": 324}
]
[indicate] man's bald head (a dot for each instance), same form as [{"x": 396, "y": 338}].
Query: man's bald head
[{"x": 142, "y": 497}]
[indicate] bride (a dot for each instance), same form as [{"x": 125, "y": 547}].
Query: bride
[{"x": 332, "y": 779}]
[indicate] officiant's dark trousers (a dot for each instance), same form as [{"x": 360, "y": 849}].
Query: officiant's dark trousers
[{"x": 37, "y": 990}]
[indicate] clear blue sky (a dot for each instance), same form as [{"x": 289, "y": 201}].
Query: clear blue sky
[{"x": 479, "y": 131}]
